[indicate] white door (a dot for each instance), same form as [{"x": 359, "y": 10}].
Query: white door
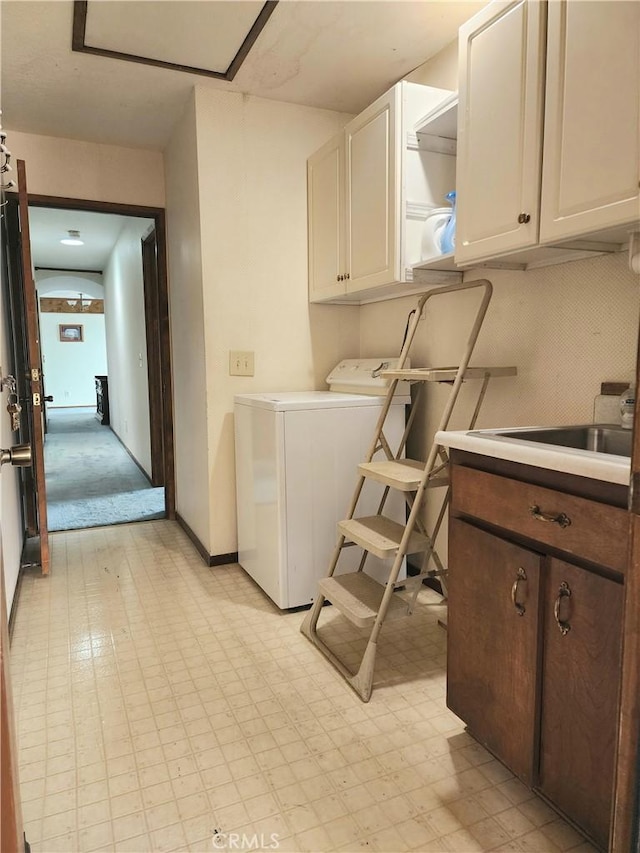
[
  {"x": 501, "y": 53},
  {"x": 591, "y": 137},
  {"x": 326, "y": 208},
  {"x": 372, "y": 167}
]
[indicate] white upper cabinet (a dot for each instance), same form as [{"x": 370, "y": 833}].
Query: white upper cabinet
[
  {"x": 499, "y": 129},
  {"x": 370, "y": 190},
  {"x": 592, "y": 118},
  {"x": 548, "y": 168},
  {"x": 372, "y": 140},
  {"x": 326, "y": 207}
]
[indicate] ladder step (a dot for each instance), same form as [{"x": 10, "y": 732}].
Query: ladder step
[
  {"x": 380, "y": 535},
  {"x": 401, "y": 474},
  {"x": 358, "y": 597},
  {"x": 445, "y": 374}
]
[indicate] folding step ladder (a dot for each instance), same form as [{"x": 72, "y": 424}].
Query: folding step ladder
[{"x": 364, "y": 601}]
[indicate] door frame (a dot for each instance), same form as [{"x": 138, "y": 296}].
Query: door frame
[
  {"x": 156, "y": 318},
  {"x": 149, "y": 248}
]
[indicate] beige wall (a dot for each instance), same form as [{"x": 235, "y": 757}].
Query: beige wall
[
  {"x": 566, "y": 328},
  {"x": 69, "y": 168},
  {"x": 187, "y": 327},
  {"x": 252, "y": 157},
  {"x": 440, "y": 71}
]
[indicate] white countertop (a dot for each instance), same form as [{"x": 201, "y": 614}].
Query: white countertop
[{"x": 583, "y": 463}]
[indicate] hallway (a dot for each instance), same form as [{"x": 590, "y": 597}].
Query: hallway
[
  {"x": 163, "y": 705},
  {"x": 91, "y": 479}
]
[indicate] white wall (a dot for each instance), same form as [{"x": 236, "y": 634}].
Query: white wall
[
  {"x": 252, "y": 157},
  {"x": 70, "y": 368},
  {"x": 88, "y": 283},
  {"x": 126, "y": 342}
]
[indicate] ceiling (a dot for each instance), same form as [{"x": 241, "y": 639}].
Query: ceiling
[
  {"x": 333, "y": 54},
  {"x": 99, "y": 231}
]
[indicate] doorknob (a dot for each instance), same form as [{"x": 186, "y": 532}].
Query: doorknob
[
  {"x": 48, "y": 398},
  {"x": 19, "y": 454}
]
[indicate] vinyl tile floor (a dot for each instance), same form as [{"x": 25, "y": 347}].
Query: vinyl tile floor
[{"x": 163, "y": 705}]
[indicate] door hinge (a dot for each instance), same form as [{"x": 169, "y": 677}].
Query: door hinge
[
  {"x": 35, "y": 374},
  {"x": 36, "y": 399}
]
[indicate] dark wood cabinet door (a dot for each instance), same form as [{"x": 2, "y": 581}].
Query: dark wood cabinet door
[
  {"x": 493, "y": 643},
  {"x": 580, "y": 681}
]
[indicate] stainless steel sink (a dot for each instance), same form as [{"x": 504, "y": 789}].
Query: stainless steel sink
[{"x": 601, "y": 438}]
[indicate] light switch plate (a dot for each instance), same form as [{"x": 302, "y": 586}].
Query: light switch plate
[{"x": 241, "y": 363}]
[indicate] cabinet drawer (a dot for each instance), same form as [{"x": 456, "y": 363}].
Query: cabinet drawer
[{"x": 585, "y": 528}]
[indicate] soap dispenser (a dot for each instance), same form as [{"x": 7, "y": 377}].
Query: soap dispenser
[
  {"x": 448, "y": 234},
  {"x": 627, "y": 406}
]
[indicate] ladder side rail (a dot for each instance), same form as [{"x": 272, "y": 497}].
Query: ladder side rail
[
  {"x": 402, "y": 358},
  {"x": 464, "y": 362},
  {"x": 384, "y": 445},
  {"x": 381, "y": 419},
  {"x": 433, "y": 453},
  {"x": 404, "y": 353},
  {"x": 480, "y": 400},
  {"x": 438, "y": 469}
]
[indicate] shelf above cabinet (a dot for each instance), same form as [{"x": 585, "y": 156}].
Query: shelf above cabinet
[
  {"x": 527, "y": 259},
  {"x": 438, "y": 130},
  {"x": 440, "y": 263}
]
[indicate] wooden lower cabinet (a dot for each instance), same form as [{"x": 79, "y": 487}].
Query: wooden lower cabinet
[
  {"x": 534, "y": 647},
  {"x": 580, "y": 680},
  {"x": 492, "y": 643}
]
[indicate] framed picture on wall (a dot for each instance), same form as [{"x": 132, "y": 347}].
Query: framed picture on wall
[{"x": 71, "y": 332}]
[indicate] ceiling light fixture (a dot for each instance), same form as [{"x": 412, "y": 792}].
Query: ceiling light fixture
[{"x": 73, "y": 239}]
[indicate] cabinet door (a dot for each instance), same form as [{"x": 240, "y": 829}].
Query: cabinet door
[
  {"x": 592, "y": 118},
  {"x": 373, "y": 179},
  {"x": 499, "y": 129},
  {"x": 325, "y": 199},
  {"x": 581, "y": 671},
  {"x": 492, "y": 642}
]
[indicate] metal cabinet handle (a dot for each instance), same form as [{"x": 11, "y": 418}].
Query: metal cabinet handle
[
  {"x": 521, "y": 576},
  {"x": 554, "y": 518},
  {"x": 347, "y": 275},
  {"x": 563, "y": 624},
  {"x": 524, "y": 218}
]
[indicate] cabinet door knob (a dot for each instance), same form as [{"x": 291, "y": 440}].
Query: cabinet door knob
[
  {"x": 521, "y": 576},
  {"x": 524, "y": 218},
  {"x": 339, "y": 278},
  {"x": 347, "y": 275},
  {"x": 563, "y": 592},
  {"x": 560, "y": 518}
]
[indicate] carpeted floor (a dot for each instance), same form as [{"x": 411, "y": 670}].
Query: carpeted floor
[{"x": 91, "y": 479}]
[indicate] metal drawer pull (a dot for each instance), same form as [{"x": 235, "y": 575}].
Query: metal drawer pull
[
  {"x": 522, "y": 576},
  {"x": 557, "y": 518},
  {"x": 563, "y": 592}
]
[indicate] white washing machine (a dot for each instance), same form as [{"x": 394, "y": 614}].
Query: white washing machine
[{"x": 297, "y": 455}]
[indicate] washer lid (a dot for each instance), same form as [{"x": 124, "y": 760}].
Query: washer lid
[{"x": 286, "y": 401}]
